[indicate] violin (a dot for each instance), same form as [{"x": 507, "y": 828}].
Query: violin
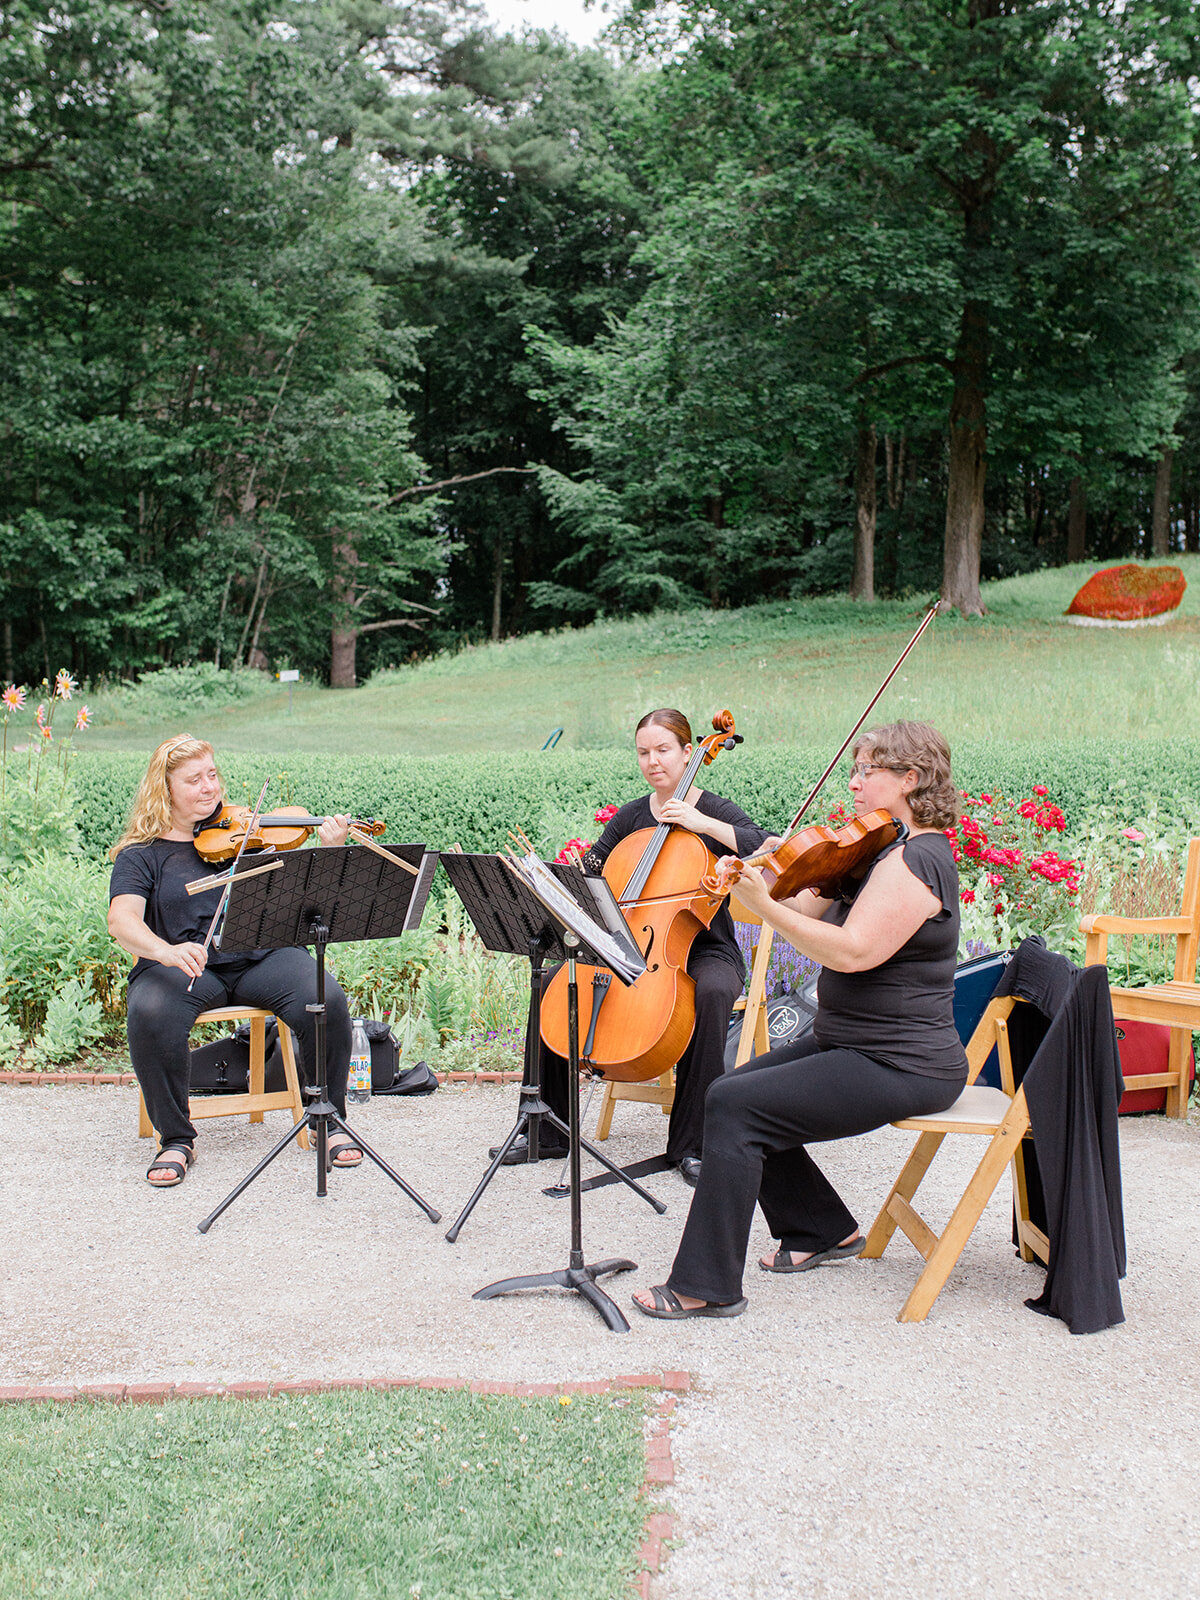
[
  {"x": 637, "y": 1033},
  {"x": 285, "y": 829},
  {"x": 817, "y": 857}
]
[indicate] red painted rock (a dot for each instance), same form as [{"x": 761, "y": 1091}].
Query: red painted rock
[{"x": 1129, "y": 594}]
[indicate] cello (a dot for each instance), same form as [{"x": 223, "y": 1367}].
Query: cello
[{"x": 656, "y": 875}]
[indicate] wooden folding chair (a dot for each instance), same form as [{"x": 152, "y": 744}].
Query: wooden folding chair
[
  {"x": 257, "y": 1100},
  {"x": 1176, "y": 1004},
  {"x": 1002, "y": 1117},
  {"x": 752, "y": 1005}
]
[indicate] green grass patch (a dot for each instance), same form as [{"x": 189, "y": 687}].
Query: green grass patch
[
  {"x": 794, "y": 673},
  {"x": 409, "y": 1494}
]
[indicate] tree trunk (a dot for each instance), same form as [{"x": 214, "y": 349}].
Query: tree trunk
[
  {"x": 343, "y": 672},
  {"x": 497, "y": 588},
  {"x": 1077, "y": 520},
  {"x": 968, "y": 465},
  {"x": 1160, "y": 527},
  {"x": 862, "y": 583}
]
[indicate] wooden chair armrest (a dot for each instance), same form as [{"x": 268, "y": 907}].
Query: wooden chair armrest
[{"x": 1143, "y": 925}]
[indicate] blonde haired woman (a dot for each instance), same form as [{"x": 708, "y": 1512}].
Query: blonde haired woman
[{"x": 152, "y": 916}]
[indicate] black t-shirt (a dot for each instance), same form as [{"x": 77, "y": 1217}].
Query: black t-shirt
[
  {"x": 902, "y": 1012},
  {"x": 158, "y": 873},
  {"x": 719, "y": 938}
]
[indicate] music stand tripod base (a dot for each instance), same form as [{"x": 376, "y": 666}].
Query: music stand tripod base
[
  {"x": 320, "y": 897},
  {"x": 581, "y": 1279},
  {"x": 576, "y": 1275}
]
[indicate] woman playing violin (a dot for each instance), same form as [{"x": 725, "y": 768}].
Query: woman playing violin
[
  {"x": 153, "y": 917},
  {"x": 884, "y": 1045},
  {"x": 663, "y": 740}
]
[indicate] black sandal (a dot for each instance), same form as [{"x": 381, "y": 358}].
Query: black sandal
[
  {"x": 162, "y": 1163},
  {"x": 782, "y": 1261},
  {"x": 345, "y": 1147},
  {"x": 667, "y": 1305}
]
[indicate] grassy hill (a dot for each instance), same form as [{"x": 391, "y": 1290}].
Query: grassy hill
[{"x": 795, "y": 673}]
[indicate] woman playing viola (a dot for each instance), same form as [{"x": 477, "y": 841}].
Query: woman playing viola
[
  {"x": 883, "y": 1047},
  {"x": 663, "y": 740},
  {"x": 152, "y": 916}
]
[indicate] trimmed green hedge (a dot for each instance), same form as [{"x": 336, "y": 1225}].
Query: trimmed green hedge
[{"x": 474, "y": 800}]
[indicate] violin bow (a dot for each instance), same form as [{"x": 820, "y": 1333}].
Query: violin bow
[
  {"x": 233, "y": 865},
  {"x": 820, "y": 783}
]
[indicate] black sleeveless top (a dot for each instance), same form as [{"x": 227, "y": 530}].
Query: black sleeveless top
[{"x": 902, "y": 1012}]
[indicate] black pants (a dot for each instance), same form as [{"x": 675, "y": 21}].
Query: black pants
[
  {"x": 718, "y": 984},
  {"x": 161, "y": 1013},
  {"x": 757, "y": 1123}
]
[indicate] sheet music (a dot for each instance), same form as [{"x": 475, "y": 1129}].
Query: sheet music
[{"x": 616, "y": 948}]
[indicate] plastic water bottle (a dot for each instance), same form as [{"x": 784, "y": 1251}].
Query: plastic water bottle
[{"x": 358, "y": 1083}]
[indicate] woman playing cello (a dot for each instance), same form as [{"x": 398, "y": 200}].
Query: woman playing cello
[
  {"x": 663, "y": 740},
  {"x": 883, "y": 1047},
  {"x": 176, "y": 977}
]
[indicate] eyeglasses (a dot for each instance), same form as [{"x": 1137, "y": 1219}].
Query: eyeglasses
[{"x": 864, "y": 769}]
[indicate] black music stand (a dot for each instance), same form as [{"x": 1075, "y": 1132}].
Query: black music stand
[
  {"x": 511, "y": 919},
  {"x": 576, "y": 1275},
  {"x": 333, "y": 895}
]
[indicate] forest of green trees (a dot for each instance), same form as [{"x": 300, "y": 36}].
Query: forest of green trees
[{"x": 338, "y": 330}]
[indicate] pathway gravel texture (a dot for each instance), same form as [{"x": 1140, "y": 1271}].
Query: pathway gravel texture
[{"x": 824, "y": 1450}]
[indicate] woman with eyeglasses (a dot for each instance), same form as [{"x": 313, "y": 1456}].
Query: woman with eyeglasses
[{"x": 883, "y": 1045}]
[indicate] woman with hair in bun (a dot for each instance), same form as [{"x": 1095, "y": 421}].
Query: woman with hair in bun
[
  {"x": 663, "y": 741},
  {"x": 883, "y": 1046},
  {"x": 152, "y": 916}
]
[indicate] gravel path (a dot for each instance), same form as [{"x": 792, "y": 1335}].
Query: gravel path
[{"x": 825, "y": 1449}]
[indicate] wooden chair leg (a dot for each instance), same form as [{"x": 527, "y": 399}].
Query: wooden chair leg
[
  {"x": 258, "y": 1052},
  {"x": 145, "y": 1130},
  {"x": 287, "y": 1047},
  {"x": 941, "y": 1259},
  {"x": 905, "y": 1186},
  {"x": 1177, "y": 1064},
  {"x": 604, "y": 1120}
]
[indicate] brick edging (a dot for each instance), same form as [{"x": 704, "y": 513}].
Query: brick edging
[
  {"x": 124, "y": 1079},
  {"x": 658, "y": 1528}
]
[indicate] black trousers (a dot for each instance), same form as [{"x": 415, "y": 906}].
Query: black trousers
[
  {"x": 757, "y": 1123},
  {"x": 718, "y": 984},
  {"x": 161, "y": 1013}
]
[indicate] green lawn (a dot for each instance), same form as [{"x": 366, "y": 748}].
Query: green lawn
[
  {"x": 794, "y": 674},
  {"x": 408, "y": 1494}
]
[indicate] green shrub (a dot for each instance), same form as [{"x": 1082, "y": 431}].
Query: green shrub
[
  {"x": 177, "y": 692},
  {"x": 475, "y": 800},
  {"x": 34, "y": 822},
  {"x": 74, "y": 1020},
  {"x": 53, "y": 929}
]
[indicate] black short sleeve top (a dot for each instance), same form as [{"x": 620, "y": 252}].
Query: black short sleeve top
[{"x": 902, "y": 1012}]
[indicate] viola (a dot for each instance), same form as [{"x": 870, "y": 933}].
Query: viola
[
  {"x": 285, "y": 829},
  {"x": 818, "y": 857},
  {"x": 636, "y": 1033}
]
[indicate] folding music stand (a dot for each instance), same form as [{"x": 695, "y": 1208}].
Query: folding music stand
[
  {"x": 579, "y": 936},
  {"x": 510, "y": 919},
  {"x": 333, "y": 895}
]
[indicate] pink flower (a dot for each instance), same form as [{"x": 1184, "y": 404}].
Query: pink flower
[
  {"x": 83, "y": 718},
  {"x": 996, "y": 880},
  {"x": 986, "y": 798},
  {"x": 1133, "y": 833},
  {"x": 40, "y": 715},
  {"x": 1040, "y": 788},
  {"x": 13, "y": 698},
  {"x": 47, "y": 733},
  {"x": 64, "y": 684},
  {"x": 605, "y": 812},
  {"x": 967, "y": 897}
]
